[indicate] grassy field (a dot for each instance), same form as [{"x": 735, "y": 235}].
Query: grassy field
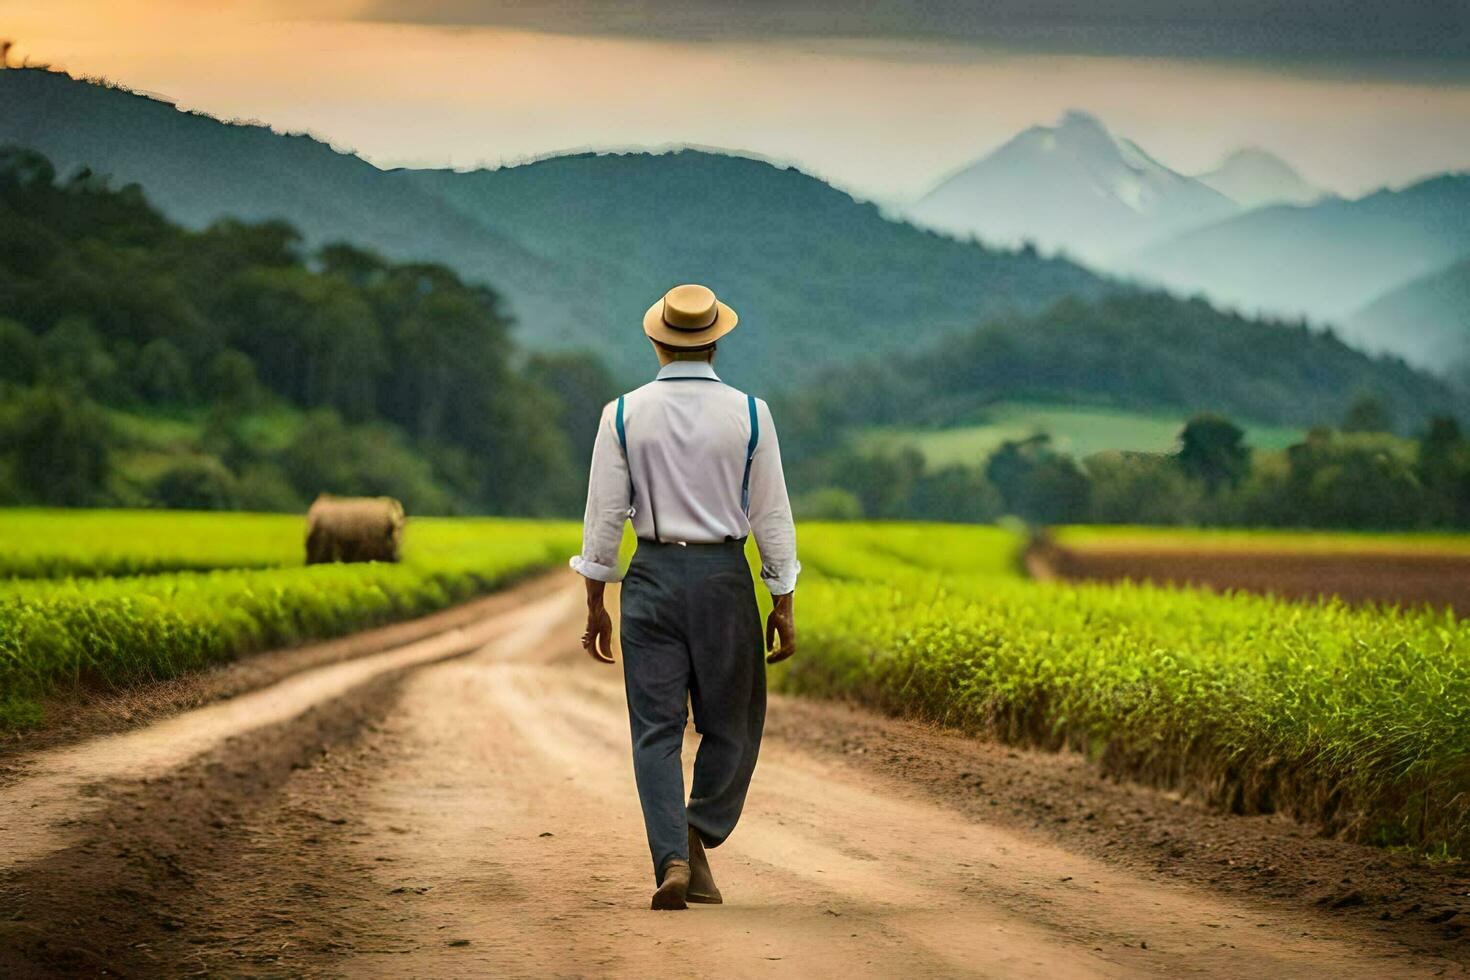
[
  {"x": 1356, "y": 719},
  {"x": 153, "y": 594},
  {"x": 1076, "y": 430},
  {"x": 1128, "y": 538}
]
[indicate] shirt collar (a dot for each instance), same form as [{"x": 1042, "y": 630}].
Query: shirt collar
[{"x": 688, "y": 369}]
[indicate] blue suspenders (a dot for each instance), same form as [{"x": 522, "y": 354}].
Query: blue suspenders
[
  {"x": 755, "y": 438},
  {"x": 623, "y": 441}
]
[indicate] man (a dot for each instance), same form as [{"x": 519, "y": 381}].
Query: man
[{"x": 695, "y": 465}]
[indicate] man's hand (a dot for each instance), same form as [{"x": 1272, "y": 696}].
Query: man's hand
[
  {"x": 782, "y": 623},
  {"x": 597, "y": 641}
]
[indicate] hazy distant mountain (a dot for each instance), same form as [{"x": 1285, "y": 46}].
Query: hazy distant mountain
[
  {"x": 1254, "y": 178},
  {"x": 1427, "y": 321},
  {"x": 1071, "y": 186},
  {"x": 815, "y": 275},
  {"x": 578, "y": 245},
  {"x": 1325, "y": 260}
]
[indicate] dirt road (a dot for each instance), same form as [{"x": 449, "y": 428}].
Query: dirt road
[{"x": 446, "y": 815}]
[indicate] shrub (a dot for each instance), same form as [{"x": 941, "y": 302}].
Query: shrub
[{"x": 196, "y": 483}]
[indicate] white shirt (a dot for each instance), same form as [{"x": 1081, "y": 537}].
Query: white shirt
[{"x": 688, "y": 433}]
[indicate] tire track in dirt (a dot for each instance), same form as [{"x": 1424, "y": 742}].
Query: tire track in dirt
[
  {"x": 73, "y": 716},
  {"x": 59, "y": 781}
]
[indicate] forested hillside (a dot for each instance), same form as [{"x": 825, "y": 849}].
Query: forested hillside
[
  {"x": 817, "y": 277},
  {"x": 1130, "y": 351},
  {"x": 234, "y": 366},
  {"x": 197, "y": 169}
]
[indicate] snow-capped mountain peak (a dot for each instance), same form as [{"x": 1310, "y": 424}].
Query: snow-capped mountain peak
[{"x": 1073, "y": 186}]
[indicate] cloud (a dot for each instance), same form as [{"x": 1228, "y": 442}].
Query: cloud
[{"x": 1369, "y": 32}]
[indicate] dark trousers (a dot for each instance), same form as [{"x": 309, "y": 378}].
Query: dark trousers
[{"x": 691, "y": 636}]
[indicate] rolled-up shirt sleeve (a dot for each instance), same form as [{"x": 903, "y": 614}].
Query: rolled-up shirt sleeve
[
  {"x": 608, "y": 505},
  {"x": 770, "y": 510}
]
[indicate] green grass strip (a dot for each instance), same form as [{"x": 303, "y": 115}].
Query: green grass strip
[
  {"x": 113, "y": 632},
  {"x": 1125, "y": 537}
]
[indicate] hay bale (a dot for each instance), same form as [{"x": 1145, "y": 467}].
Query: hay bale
[{"x": 350, "y": 529}]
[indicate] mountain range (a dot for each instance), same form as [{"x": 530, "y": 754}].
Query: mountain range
[
  {"x": 1252, "y": 234},
  {"x": 1073, "y": 187},
  {"x": 577, "y": 246},
  {"x": 1078, "y": 188}
]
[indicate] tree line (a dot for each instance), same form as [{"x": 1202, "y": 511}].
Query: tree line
[
  {"x": 1354, "y": 475},
  {"x": 230, "y": 367}
]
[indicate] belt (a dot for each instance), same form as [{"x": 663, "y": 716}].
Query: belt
[{"x": 727, "y": 543}]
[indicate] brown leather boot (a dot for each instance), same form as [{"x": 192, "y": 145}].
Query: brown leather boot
[
  {"x": 702, "y": 888},
  {"x": 673, "y": 888}
]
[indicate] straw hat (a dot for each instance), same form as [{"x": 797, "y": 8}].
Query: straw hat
[{"x": 688, "y": 316}]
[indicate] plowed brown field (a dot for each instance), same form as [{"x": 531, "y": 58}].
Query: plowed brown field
[{"x": 1405, "y": 579}]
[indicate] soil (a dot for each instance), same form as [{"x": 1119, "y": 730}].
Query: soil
[
  {"x": 1406, "y": 579},
  {"x": 475, "y": 815}
]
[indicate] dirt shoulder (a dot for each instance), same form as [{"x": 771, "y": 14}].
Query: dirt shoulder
[
  {"x": 80, "y": 715},
  {"x": 1423, "y": 906}
]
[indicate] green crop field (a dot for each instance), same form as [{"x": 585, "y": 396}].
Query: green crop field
[
  {"x": 85, "y": 543},
  {"x": 1077, "y": 430},
  {"x": 1357, "y": 719},
  {"x": 120, "y": 597},
  {"x": 1126, "y": 538}
]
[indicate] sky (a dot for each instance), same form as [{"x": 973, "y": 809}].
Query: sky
[{"x": 883, "y": 97}]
